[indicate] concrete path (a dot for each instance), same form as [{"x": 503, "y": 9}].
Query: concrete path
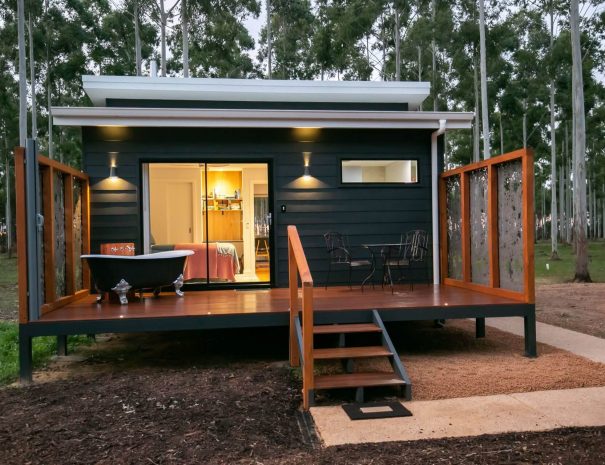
[
  {"x": 470, "y": 416},
  {"x": 473, "y": 416},
  {"x": 590, "y": 347}
]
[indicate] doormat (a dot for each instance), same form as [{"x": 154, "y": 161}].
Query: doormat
[{"x": 376, "y": 410}]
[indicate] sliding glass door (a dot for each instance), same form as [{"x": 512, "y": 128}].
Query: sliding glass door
[{"x": 220, "y": 211}]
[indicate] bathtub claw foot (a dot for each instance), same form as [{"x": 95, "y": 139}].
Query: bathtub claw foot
[
  {"x": 100, "y": 296},
  {"x": 122, "y": 289},
  {"x": 178, "y": 284}
]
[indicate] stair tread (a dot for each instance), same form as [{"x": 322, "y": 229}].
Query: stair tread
[
  {"x": 347, "y": 328},
  {"x": 351, "y": 352},
  {"x": 353, "y": 380}
]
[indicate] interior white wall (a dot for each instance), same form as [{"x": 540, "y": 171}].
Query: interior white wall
[
  {"x": 373, "y": 174},
  {"x": 250, "y": 177},
  {"x": 351, "y": 174},
  {"x": 399, "y": 171},
  {"x": 160, "y": 176}
]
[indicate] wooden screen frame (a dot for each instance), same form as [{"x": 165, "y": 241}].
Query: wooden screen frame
[
  {"x": 527, "y": 175},
  {"x": 48, "y": 168}
]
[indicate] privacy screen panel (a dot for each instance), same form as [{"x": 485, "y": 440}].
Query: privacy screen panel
[
  {"x": 59, "y": 233},
  {"x": 478, "y": 227},
  {"x": 510, "y": 225},
  {"x": 77, "y": 233},
  {"x": 454, "y": 228}
]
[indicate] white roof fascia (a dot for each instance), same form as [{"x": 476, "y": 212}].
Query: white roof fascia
[
  {"x": 185, "y": 117},
  {"x": 100, "y": 88}
]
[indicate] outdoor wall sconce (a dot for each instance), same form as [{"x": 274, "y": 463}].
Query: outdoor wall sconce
[
  {"x": 306, "y": 173},
  {"x": 112, "y": 172},
  {"x": 307, "y": 162},
  {"x": 113, "y": 166}
]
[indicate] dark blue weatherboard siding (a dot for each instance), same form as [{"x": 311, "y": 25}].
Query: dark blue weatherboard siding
[{"x": 366, "y": 213}]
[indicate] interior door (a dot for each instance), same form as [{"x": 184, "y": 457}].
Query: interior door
[{"x": 179, "y": 221}]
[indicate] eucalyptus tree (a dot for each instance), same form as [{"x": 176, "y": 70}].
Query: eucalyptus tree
[
  {"x": 554, "y": 236},
  {"x": 346, "y": 36},
  {"x": 579, "y": 136},
  {"x": 118, "y": 47},
  {"x": 292, "y": 28},
  {"x": 218, "y": 40},
  {"x": 483, "y": 72}
]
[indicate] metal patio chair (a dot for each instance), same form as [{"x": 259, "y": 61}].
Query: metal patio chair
[
  {"x": 413, "y": 248},
  {"x": 340, "y": 255}
]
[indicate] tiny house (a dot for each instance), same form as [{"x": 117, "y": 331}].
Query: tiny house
[
  {"x": 234, "y": 162},
  {"x": 255, "y": 177}
]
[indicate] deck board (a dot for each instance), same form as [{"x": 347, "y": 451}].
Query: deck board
[{"x": 271, "y": 301}]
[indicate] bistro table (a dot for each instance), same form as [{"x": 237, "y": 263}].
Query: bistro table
[{"x": 381, "y": 252}]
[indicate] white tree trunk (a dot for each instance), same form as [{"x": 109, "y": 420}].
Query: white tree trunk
[
  {"x": 397, "y": 46},
  {"x": 8, "y": 206},
  {"x": 420, "y": 70},
  {"x": 483, "y": 69},
  {"x": 163, "y": 24},
  {"x": 185, "y": 27},
  {"x": 433, "y": 49},
  {"x": 524, "y": 124},
  {"x": 51, "y": 149},
  {"x": 562, "y": 216},
  {"x": 570, "y": 217},
  {"x": 553, "y": 158},
  {"x": 476, "y": 129},
  {"x": 32, "y": 80},
  {"x": 270, "y": 41},
  {"x": 22, "y": 73},
  {"x": 501, "y": 135},
  {"x": 137, "y": 41},
  {"x": 582, "y": 273}
]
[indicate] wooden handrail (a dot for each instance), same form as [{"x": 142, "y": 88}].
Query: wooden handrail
[
  {"x": 299, "y": 255},
  {"x": 298, "y": 267},
  {"x": 526, "y": 158}
]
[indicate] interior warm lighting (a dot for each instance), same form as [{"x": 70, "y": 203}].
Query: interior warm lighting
[
  {"x": 112, "y": 173},
  {"x": 306, "y": 134}
]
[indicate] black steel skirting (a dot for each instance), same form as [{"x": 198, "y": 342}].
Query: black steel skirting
[{"x": 28, "y": 331}]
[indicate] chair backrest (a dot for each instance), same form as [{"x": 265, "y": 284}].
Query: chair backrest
[
  {"x": 337, "y": 247},
  {"x": 415, "y": 245}
]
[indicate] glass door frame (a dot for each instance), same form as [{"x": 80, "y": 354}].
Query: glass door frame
[{"x": 145, "y": 214}]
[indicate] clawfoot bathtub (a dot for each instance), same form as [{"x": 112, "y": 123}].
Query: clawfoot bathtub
[{"x": 120, "y": 274}]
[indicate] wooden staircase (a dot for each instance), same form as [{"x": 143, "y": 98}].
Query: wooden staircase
[
  {"x": 359, "y": 380},
  {"x": 303, "y": 333}
]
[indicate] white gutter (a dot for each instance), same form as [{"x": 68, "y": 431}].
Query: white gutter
[
  {"x": 254, "y": 118},
  {"x": 435, "y": 188}
]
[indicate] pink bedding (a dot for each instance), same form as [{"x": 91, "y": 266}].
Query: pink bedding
[{"x": 220, "y": 266}]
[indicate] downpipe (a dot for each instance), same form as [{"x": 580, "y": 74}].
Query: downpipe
[{"x": 435, "y": 199}]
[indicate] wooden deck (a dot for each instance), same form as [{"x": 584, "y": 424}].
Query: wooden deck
[{"x": 275, "y": 301}]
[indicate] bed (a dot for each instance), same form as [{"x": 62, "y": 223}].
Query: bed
[{"x": 222, "y": 264}]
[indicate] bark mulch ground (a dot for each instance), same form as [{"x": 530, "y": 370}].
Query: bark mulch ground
[
  {"x": 239, "y": 414},
  {"x": 579, "y": 307}
]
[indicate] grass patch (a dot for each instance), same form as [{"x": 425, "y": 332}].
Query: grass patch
[
  {"x": 8, "y": 288},
  {"x": 43, "y": 349},
  {"x": 561, "y": 271}
]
